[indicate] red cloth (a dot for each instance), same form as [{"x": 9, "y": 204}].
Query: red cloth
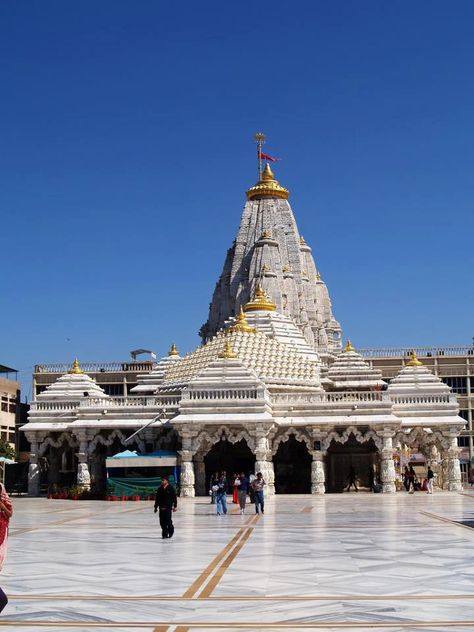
[
  {"x": 235, "y": 494},
  {"x": 267, "y": 157},
  {"x": 4, "y": 521}
]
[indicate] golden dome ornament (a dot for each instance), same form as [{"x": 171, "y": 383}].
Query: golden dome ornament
[
  {"x": 76, "y": 369},
  {"x": 267, "y": 186},
  {"x": 348, "y": 347},
  {"x": 173, "y": 351},
  {"x": 227, "y": 352},
  {"x": 241, "y": 324},
  {"x": 414, "y": 359}
]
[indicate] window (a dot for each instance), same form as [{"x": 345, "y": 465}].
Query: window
[
  {"x": 463, "y": 442},
  {"x": 464, "y": 414},
  {"x": 114, "y": 390},
  {"x": 458, "y": 384}
]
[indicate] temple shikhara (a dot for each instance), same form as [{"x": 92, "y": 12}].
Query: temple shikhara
[{"x": 272, "y": 387}]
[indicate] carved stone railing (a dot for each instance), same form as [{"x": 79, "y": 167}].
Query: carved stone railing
[
  {"x": 96, "y": 367},
  {"x": 54, "y": 406},
  {"x": 421, "y": 352},
  {"x": 223, "y": 394},
  {"x": 329, "y": 398},
  {"x": 449, "y": 398}
]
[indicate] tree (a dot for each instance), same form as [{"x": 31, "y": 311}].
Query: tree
[{"x": 6, "y": 450}]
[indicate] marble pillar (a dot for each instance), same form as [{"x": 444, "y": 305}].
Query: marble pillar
[
  {"x": 387, "y": 466},
  {"x": 200, "y": 475},
  {"x": 264, "y": 463},
  {"x": 83, "y": 474},
  {"x": 33, "y": 469},
  {"x": 318, "y": 475},
  {"x": 187, "y": 473},
  {"x": 452, "y": 467}
]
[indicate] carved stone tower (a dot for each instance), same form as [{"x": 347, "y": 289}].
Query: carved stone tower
[{"x": 269, "y": 250}]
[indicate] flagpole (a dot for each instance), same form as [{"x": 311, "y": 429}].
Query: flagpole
[{"x": 260, "y": 138}]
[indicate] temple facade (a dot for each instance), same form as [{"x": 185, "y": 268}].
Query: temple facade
[{"x": 270, "y": 389}]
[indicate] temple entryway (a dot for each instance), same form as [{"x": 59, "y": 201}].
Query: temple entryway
[
  {"x": 292, "y": 466},
  {"x": 351, "y": 459},
  {"x": 232, "y": 458}
]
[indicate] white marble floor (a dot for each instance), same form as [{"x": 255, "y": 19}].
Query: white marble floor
[{"x": 350, "y": 562}]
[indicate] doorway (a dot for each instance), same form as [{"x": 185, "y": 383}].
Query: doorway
[
  {"x": 292, "y": 465},
  {"x": 361, "y": 458}
]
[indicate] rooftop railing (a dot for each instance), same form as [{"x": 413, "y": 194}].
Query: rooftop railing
[
  {"x": 96, "y": 367},
  {"x": 423, "y": 352}
]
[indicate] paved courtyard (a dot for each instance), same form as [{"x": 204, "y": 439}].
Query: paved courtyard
[{"x": 350, "y": 562}]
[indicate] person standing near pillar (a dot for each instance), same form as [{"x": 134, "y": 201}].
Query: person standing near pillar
[
  {"x": 257, "y": 486},
  {"x": 430, "y": 477},
  {"x": 167, "y": 502}
]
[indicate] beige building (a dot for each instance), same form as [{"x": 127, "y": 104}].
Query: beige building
[{"x": 10, "y": 401}]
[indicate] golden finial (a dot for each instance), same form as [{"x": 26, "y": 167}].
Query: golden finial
[
  {"x": 318, "y": 276},
  {"x": 302, "y": 241},
  {"x": 265, "y": 268},
  {"x": 413, "y": 359},
  {"x": 285, "y": 269},
  {"x": 241, "y": 324},
  {"x": 227, "y": 351},
  {"x": 267, "y": 186},
  {"x": 348, "y": 347},
  {"x": 266, "y": 235},
  {"x": 260, "y": 301},
  {"x": 173, "y": 351},
  {"x": 76, "y": 369}
]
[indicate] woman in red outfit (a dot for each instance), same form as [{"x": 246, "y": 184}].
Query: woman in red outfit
[{"x": 6, "y": 511}]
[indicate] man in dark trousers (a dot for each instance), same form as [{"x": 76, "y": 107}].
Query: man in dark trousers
[{"x": 166, "y": 502}]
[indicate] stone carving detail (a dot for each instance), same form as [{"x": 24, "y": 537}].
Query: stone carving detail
[
  {"x": 344, "y": 437},
  {"x": 83, "y": 475},
  {"x": 266, "y": 467},
  {"x": 318, "y": 476},
  {"x": 116, "y": 434},
  {"x": 223, "y": 432},
  {"x": 64, "y": 437},
  {"x": 299, "y": 436},
  {"x": 187, "y": 474}
]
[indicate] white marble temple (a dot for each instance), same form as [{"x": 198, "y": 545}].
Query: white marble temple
[{"x": 345, "y": 561}]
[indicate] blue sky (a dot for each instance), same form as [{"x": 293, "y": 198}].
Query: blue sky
[{"x": 126, "y": 149}]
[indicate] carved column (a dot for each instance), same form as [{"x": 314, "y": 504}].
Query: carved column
[
  {"x": 83, "y": 474},
  {"x": 200, "y": 475},
  {"x": 452, "y": 465},
  {"x": 33, "y": 469},
  {"x": 318, "y": 475},
  {"x": 187, "y": 473},
  {"x": 263, "y": 459},
  {"x": 387, "y": 465}
]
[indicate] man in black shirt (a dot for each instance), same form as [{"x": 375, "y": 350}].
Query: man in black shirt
[{"x": 166, "y": 502}]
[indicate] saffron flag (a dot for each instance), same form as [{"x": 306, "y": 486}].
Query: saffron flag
[{"x": 269, "y": 158}]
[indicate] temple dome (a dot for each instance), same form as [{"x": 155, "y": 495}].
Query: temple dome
[
  {"x": 148, "y": 383},
  {"x": 415, "y": 378},
  {"x": 350, "y": 371},
  {"x": 267, "y": 186},
  {"x": 74, "y": 385}
]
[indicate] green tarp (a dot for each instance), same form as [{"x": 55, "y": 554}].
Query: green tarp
[{"x": 135, "y": 486}]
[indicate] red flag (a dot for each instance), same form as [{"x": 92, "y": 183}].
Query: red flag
[{"x": 269, "y": 158}]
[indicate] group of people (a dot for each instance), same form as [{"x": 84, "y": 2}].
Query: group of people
[
  {"x": 412, "y": 484},
  {"x": 242, "y": 486}
]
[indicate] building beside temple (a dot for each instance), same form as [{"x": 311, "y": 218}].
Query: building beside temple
[{"x": 271, "y": 389}]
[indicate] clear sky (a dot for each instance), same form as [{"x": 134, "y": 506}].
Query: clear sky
[{"x": 126, "y": 149}]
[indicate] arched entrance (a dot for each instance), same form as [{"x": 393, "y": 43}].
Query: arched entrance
[
  {"x": 292, "y": 465},
  {"x": 230, "y": 457},
  {"x": 361, "y": 457}
]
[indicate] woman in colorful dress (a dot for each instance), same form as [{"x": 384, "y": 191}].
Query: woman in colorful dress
[{"x": 6, "y": 511}]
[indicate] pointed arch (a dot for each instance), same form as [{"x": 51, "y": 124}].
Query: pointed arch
[{"x": 299, "y": 436}]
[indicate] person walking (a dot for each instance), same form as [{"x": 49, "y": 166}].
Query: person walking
[
  {"x": 244, "y": 486},
  {"x": 411, "y": 480},
  {"x": 213, "y": 487},
  {"x": 235, "y": 489},
  {"x": 257, "y": 486},
  {"x": 406, "y": 478},
  {"x": 167, "y": 502},
  {"x": 430, "y": 477},
  {"x": 352, "y": 479},
  {"x": 221, "y": 494},
  {"x": 6, "y": 511}
]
